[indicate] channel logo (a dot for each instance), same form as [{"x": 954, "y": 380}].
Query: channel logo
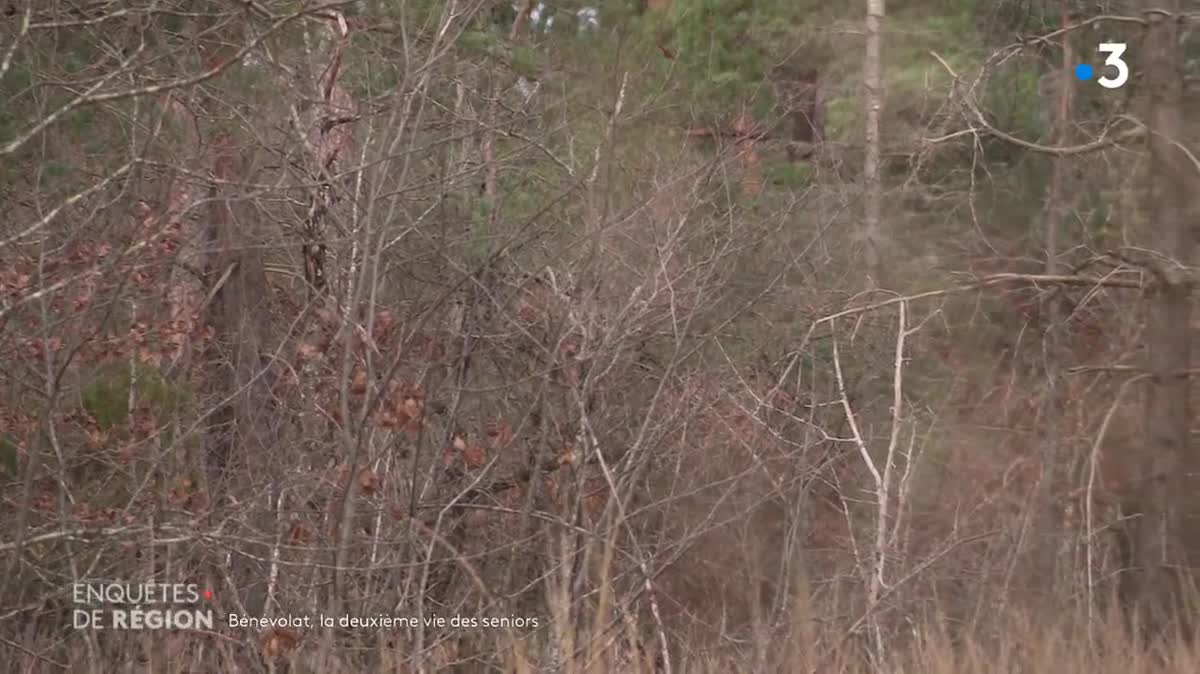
[{"x": 101, "y": 605}]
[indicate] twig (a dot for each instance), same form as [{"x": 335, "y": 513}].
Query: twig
[
  {"x": 933, "y": 559},
  {"x": 106, "y": 532},
  {"x": 986, "y": 282},
  {"x": 876, "y": 571},
  {"x": 1104, "y": 141},
  {"x": 33, "y": 654},
  {"x": 1093, "y": 461},
  {"x": 90, "y": 97}
]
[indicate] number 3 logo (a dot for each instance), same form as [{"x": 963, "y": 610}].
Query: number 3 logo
[{"x": 1114, "y": 51}]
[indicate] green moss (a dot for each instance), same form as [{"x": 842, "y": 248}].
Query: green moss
[
  {"x": 912, "y": 38},
  {"x": 13, "y": 87},
  {"x": 725, "y": 46},
  {"x": 171, "y": 23},
  {"x": 524, "y": 62},
  {"x": 372, "y": 78},
  {"x": 478, "y": 42},
  {"x": 476, "y": 246},
  {"x": 106, "y": 399},
  {"x": 9, "y": 461},
  {"x": 56, "y": 169},
  {"x": 842, "y": 118},
  {"x": 81, "y": 121},
  {"x": 787, "y": 174},
  {"x": 1014, "y": 100}
]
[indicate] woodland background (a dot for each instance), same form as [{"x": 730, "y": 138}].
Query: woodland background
[{"x": 775, "y": 335}]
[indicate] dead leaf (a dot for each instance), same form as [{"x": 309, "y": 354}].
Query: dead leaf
[
  {"x": 182, "y": 492},
  {"x": 413, "y": 407},
  {"x": 43, "y": 500},
  {"x": 327, "y": 317},
  {"x": 385, "y": 418},
  {"x": 279, "y": 642},
  {"x": 413, "y": 427},
  {"x": 152, "y": 358},
  {"x": 500, "y": 433},
  {"x": 368, "y": 481},
  {"x": 302, "y": 532},
  {"x": 384, "y": 321},
  {"x": 307, "y": 351},
  {"x": 450, "y": 453},
  {"x": 142, "y": 424},
  {"x": 568, "y": 456},
  {"x": 408, "y": 406},
  {"x": 84, "y": 512},
  {"x": 398, "y": 512},
  {"x": 550, "y": 484},
  {"x": 358, "y": 384},
  {"x": 475, "y": 456}
]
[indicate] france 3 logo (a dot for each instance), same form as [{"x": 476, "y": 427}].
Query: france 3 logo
[{"x": 1115, "y": 51}]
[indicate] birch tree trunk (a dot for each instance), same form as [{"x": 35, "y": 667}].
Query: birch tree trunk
[{"x": 873, "y": 191}]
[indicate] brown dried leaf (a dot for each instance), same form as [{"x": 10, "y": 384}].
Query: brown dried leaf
[
  {"x": 182, "y": 492},
  {"x": 358, "y": 386},
  {"x": 384, "y": 321},
  {"x": 368, "y": 481},
  {"x": 500, "y": 433},
  {"x": 568, "y": 456},
  {"x": 475, "y": 456},
  {"x": 307, "y": 351},
  {"x": 385, "y": 418},
  {"x": 142, "y": 424},
  {"x": 413, "y": 427},
  {"x": 413, "y": 406},
  {"x": 302, "y": 532},
  {"x": 279, "y": 642}
]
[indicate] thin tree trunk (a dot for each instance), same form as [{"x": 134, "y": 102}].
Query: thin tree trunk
[
  {"x": 873, "y": 198},
  {"x": 1168, "y": 477},
  {"x": 492, "y": 88},
  {"x": 1046, "y": 525},
  {"x": 745, "y": 128},
  {"x": 242, "y": 428},
  {"x": 1056, "y": 204},
  {"x": 243, "y": 433}
]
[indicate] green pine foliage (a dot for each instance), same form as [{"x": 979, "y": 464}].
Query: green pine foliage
[
  {"x": 728, "y": 48},
  {"x": 106, "y": 398},
  {"x": 9, "y": 458}
]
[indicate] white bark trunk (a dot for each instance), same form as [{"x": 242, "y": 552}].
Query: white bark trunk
[{"x": 873, "y": 197}]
